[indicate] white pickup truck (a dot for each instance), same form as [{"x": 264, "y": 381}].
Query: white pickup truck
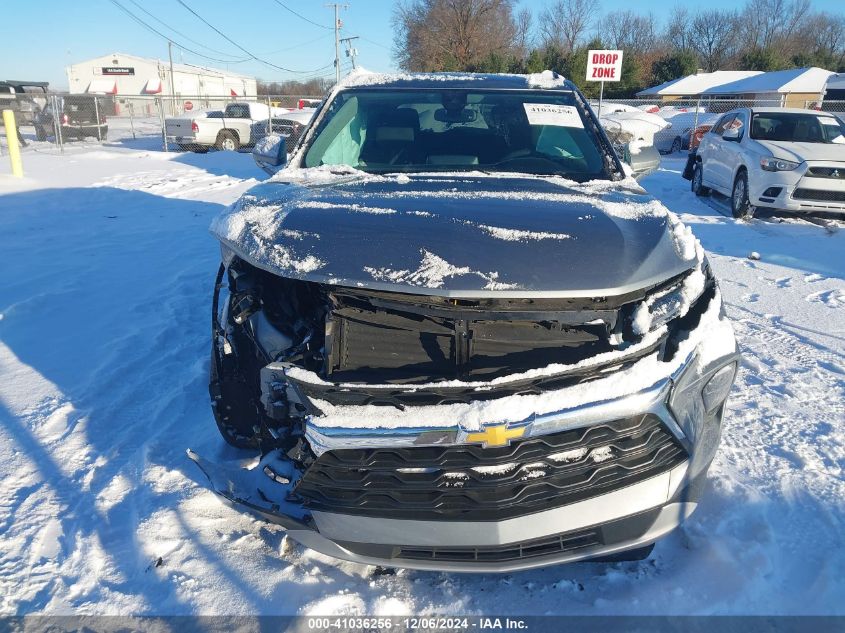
[{"x": 236, "y": 128}]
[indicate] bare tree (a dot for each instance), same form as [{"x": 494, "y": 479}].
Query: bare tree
[
  {"x": 629, "y": 31},
  {"x": 772, "y": 23},
  {"x": 823, "y": 36},
  {"x": 715, "y": 35},
  {"x": 566, "y": 23},
  {"x": 678, "y": 34},
  {"x": 455, "y": 34}
]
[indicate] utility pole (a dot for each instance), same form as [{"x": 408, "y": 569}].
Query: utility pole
[
  {"x": 337, "y": 7},
  {"x": 172, "y": 84},
  {"x": 351, "y": 52}
]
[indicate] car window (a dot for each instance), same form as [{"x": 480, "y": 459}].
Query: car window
[
  {"x": 380, "y": 130},
  {"x": 237, "y": 111},
  {"x": 720, "y": 124},
  {"x": 731, "y": 122},
  {"x": 739, "y": 123},
  {"x": 796, "y": 127}
]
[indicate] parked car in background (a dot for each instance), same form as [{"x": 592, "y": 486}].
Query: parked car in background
[
  {"x": 834, "y": 94},
  {"x": 632, "y": 131},
  {"x": 290, "y": 126},
  {"x": 24, "y": 98},
  {"x": 682, "y": 126},
  {"x": 460, "y": 337},
  {"x": 79, "y": 116},
  {"x": 779, "y": 158},
  {"x": 235, "y": 129}
]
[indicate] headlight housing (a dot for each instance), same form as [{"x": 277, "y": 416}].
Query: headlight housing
[
  {"x": 777, "y": 164},
  {"x": 670, "y": 302}
]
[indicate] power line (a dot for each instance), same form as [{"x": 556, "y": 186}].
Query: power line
[
  {"x": 302, "y": 17},
  {"x": 366, "y": 39},
  {"x": 288, "y": 48},
  {"x": 170, "y": 39},
  {"x": 162, "y": 22},
  {"x": 231, "y": 41}
]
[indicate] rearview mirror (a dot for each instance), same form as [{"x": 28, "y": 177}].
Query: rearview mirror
[
  {"x": 731, "y": 134},
  {"x": 270, "y": 153},
  {"x": 455, "y": 116}
]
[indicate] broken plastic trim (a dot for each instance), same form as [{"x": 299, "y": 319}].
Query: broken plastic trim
[{"x": 233, "y": 484}]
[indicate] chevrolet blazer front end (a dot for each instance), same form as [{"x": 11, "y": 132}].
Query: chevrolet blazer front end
[{"x": 470, "y": 370}]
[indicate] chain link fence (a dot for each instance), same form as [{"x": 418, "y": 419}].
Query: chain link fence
[
  {"x": 141, "y": 121},
  {"x": 138, "y": 121}
]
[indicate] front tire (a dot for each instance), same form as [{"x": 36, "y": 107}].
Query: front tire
[
  {"x": 697, "y": 179},
  {"x": 740, "y": 204}
]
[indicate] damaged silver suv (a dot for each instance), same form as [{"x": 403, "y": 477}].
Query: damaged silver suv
[{"x": 461, "y": 337}]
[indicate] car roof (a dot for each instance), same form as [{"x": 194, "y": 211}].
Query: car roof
[
  {"x": 771, "y": 110},
  {"x": 546, "y": 80}
]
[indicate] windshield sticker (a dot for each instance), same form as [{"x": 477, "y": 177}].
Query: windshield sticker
[
  {"x": 552, "y": 114},
  {"x": 828, "y": 121}
]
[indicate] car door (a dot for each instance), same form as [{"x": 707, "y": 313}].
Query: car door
[
  {"x": 732, "y": 151},
  {"x": 708, "y": 151},
  {"x": 716, "y": 170}
]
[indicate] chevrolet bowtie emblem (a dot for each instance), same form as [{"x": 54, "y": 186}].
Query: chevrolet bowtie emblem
[{"x": 498, "y": 435}]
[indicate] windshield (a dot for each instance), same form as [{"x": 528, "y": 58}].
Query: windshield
[
  {"x": 797, "y": 127},
  {"x": 457, "y": 130}
]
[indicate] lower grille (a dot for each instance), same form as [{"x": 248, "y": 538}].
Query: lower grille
[
  {"x": 548, "y": 546},
  {"x": 819, "y": 195},
  {"x": 468, "y": 482}
]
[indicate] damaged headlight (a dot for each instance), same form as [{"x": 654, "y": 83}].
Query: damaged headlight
[{"x": 672, "y": 302}]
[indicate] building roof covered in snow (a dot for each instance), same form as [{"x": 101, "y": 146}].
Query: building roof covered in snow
[
  {"x": 694, "y": 85},
  {"x": 810, "y": 80}
]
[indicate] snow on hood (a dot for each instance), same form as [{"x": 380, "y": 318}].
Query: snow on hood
[
  {"x": 462, "y": 234},
  {"x": 800, "y": 152}
]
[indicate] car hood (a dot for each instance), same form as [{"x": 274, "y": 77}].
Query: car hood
[
  {"x": 466, "y": 235},
  {"x": 800, "y": 152}
]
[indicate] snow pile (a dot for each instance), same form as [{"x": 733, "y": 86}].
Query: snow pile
[
  {"x": 545, "y": 79},
  {"x": 361, "y": 78}
]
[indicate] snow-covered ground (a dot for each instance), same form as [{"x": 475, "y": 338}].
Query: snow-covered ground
[{"x": 104, "y": 326}]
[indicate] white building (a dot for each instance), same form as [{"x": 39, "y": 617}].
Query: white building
[
  {"x": 131, "y": 76},
  {"x": 693, "y": 86}
]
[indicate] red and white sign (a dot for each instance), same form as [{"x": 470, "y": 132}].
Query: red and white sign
[
  {"x": 189, "y": 105},
  {"x": 604, "y": 65}
]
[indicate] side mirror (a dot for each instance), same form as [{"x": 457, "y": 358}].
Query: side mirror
[
  {"x": 270, "y": 153},
  {"x": 731, "y": 134},
  {"x": 643, "y": 160}
]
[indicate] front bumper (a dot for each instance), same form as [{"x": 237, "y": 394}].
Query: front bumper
[
  {"x": 608, "y": 520},
  {"x": 799, "y": 190}
]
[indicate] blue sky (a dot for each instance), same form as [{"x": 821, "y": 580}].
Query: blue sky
[{"x": 51, "y": 34}]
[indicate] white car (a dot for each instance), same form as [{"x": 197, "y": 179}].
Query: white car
[
  {"x": 681, "y": 124},
  {"x": 228, "y": 132},
  {"x": 781, "y": 158}
]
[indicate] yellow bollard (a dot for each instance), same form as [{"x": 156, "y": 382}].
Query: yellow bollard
[{"x": 12, "y": 140}]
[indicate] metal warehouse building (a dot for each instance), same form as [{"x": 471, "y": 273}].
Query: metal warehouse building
[{"x": 129, "y": 76}]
